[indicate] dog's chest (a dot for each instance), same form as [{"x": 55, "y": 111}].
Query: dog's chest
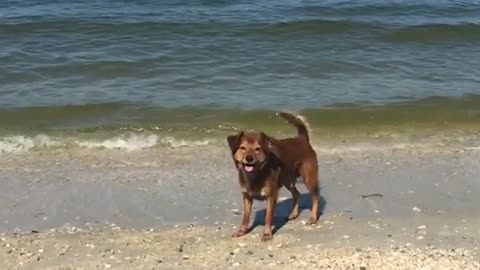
[
  {"x": 260, "y": 193},
  {"x": 259, "y": 188}
]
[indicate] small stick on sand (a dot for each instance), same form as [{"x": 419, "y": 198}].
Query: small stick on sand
[{"x": 372, "y": 195}]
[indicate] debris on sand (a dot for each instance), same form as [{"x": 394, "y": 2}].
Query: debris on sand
[
  {"x": 416, "y": 209},
  {"x": 198, "y": 248},
  {"x": 366, "y": 196}
]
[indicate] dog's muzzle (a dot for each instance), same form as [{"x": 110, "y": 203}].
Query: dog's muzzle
[
  {"x": 248, "y": 167},
  {"x": 249, "y": 163}
]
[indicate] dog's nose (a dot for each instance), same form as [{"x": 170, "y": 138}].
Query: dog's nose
[{"x": 249, "y": 158}]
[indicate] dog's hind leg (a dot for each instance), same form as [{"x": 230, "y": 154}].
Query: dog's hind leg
[
  {"x": 309, "y": 173},
  {"x": 315, "y": 201}
]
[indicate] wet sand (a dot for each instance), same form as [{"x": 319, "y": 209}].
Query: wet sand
[{"x": 392, "y": 209}]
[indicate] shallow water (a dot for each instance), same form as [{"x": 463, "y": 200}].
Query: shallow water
[{"x": 93, "y": 73}]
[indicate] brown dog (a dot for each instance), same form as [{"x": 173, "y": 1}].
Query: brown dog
[{"x": 266, "y": 164}]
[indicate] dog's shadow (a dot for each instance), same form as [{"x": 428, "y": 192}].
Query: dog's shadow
[{"x": 283, "y": 210}]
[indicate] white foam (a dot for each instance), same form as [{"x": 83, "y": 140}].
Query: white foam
[
  {"x": 127, "y": 142},
  {"x": 20, "y": 143},
  {"x": 175, "y": 143}
]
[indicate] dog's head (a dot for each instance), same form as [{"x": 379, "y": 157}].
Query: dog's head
[{"x": 251, "y": 151}]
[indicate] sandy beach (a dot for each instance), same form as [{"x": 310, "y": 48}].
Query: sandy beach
[
  {"x": 212, "y": 248},
  {"x": 388, "y": 209},
  {"x": 114, "y": 116}
]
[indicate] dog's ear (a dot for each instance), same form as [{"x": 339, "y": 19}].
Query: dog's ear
[
  {"x": 234, "y": 141},
  {"x": 269, "y": 144}
]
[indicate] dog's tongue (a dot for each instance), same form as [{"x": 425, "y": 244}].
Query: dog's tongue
[{"x": 248, "y": 168}]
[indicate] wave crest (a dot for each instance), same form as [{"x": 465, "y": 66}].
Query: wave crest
[{"x": 132, "y": 142}]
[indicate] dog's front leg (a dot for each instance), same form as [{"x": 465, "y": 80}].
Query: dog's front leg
[
  {"x": 267, "y": 231},
  {"x": 247, "y": 211}
]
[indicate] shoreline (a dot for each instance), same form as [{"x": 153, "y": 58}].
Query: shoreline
[{"x": 328, "y": 140}]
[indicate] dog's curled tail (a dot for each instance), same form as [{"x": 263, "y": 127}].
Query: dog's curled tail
[{"x": 300, "y": 122}]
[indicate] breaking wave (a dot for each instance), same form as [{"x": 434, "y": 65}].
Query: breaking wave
[{"x": 132, "y": 142}]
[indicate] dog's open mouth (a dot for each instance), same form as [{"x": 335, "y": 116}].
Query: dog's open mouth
[{"x": 248, "y": 167}]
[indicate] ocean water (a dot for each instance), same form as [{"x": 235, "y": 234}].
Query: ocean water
[{"x": 143, "y": 73}]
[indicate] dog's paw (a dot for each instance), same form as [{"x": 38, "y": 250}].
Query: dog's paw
[
  {"x": 239, "y": 233},
  {"x": 293, "y": 216},
  {"x": 267, "y": 237},
  {"x": 312, "y": 221}
]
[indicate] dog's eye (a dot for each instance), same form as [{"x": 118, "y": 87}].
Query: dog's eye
[
  {"x": 243, "y": 148},
  {"x": 257, "y": 149}
]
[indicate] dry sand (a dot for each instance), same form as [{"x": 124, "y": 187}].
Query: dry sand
[{"x": 212, "y": 248}]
